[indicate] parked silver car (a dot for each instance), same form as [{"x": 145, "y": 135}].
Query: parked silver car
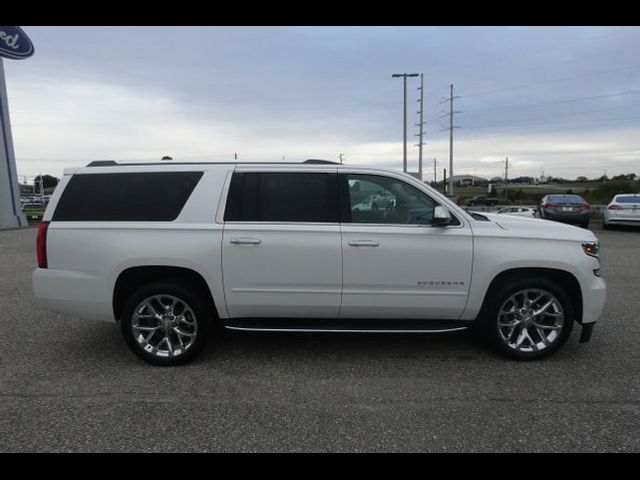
[
  {"x": 519, "y": 211},
  {"x": 624, "y": 209}
]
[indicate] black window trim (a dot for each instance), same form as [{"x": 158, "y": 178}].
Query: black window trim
[
  {"x": 333, "y": 196},
  {"x": 345, "y": 207},
  {"x": 59, "y": 215}
]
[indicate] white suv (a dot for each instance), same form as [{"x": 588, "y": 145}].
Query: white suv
[{"x": 168, "y": 250}]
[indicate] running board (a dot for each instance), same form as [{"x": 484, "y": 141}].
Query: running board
[{"x": 344, "y": 325}]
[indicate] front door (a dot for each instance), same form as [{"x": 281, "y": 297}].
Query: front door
[{"x": 395, "y": 264}]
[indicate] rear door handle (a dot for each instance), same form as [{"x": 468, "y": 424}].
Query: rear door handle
[
  {"x": 363, "y": 243},
  {"x": 246, "y": 241}
]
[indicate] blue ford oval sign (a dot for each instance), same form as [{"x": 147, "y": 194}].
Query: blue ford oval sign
[{"x": 14, "y": 43}]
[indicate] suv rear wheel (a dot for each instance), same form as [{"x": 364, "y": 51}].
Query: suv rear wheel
[
  {"x": 529, "y": 319},
  {"x": 165, "y": 323}
]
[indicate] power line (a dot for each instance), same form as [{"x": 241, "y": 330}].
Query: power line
[
  {"x": 544, "y": 122},
  {"x": 556, "y": 128},
  {"x": 553, "y": 102},
  {"x": 565, "y": 79},
  {"x": 579, "y": 112}
]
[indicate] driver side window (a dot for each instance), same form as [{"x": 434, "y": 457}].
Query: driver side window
[{"x": 378, "y": 199}]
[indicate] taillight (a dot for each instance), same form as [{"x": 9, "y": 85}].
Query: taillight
[
  {"x": 585, "y": 206},
  {"x": 549, "y": 205},
  {"x": 41, "y": 244},
  {"x": 615, "y": 207}
]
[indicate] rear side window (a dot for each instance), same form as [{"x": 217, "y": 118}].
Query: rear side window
[
  {"x": 150, "y": 197},
  {"x": 282, "y": 197}
]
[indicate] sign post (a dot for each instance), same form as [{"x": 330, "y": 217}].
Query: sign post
[{"x": 14, "y": 44}]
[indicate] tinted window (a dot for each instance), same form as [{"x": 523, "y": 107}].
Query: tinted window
[
  {"x": 573, "y": 199},
  {"x": 377, "y": 199},
  {"x": 282, "y": 197},
  {"x": 151, "y": 197}
]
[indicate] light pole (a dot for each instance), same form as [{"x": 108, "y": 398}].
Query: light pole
[{"x": 404, "y": 77}]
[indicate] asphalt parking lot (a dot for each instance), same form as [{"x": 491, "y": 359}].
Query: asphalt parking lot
[{"x": 68, "y": 384}]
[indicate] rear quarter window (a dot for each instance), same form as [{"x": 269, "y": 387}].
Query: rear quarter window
[{"x": 140, "y": 196}]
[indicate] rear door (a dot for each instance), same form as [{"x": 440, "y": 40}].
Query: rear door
[{"x": 281, "y": 251}]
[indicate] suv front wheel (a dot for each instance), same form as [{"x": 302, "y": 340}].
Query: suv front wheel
[
  {"x": 165, "y": 323},
  {"x": 529, "y": 319}
]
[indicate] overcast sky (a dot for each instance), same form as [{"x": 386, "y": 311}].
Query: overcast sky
[{"x": 562, "y": 99}]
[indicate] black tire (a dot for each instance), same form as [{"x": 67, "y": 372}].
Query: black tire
[
  {"x": 195, "y": 300},
  {"x": 503, "y": 292},
  {"x": 606, "y": 226},
  {"x": 585, "y": 225}
]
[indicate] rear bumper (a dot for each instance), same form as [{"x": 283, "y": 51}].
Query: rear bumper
[
  {"x": 567, "y": 217},
  {"x": 72, "y": 293},
  {"x": 622, "y": 220}
]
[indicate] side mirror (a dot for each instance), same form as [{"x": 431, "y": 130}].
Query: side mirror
[{"x": 441, "y": 217}]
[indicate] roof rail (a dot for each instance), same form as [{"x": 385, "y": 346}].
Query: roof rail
[
  {"x": 113, "y": 163},
  {"x": 102, "y": 163},
  {"x": 314, "y": 161}
]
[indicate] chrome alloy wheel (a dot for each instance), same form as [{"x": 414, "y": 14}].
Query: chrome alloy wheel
[
  {"x": 164, "y": 326},
  {"x": 530, "y": 320}
]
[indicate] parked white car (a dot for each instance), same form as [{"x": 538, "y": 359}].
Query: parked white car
[
  {"x": 168, "y": 249},
  {"x": 624, "y": 209},
  {"x": 518, "y": 211}
]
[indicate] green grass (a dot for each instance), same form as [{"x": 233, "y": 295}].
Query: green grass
[
  {"x": 593, "y": 192},
  {"x": 30, "y": 214}
]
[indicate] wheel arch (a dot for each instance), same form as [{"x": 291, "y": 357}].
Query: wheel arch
[
  {"x": 562, "y": 277},
  {"x": 133, "y": 278}
]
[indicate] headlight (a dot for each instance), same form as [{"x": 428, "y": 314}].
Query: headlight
[{"x": 591, "y": 248}]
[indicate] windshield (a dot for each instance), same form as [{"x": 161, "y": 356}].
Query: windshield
[{"x": 573, "y": 199}]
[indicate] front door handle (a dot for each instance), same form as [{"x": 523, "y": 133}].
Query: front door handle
[
  {"x": 246, "y": 241},
  {"x": 363, "y": 243}
]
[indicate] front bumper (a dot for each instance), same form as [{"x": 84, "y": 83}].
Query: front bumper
[
  {"x": 594, "y": 295},
  {"x": 587, "y": 330}
]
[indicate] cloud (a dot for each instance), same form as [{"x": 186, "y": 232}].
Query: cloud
[{"x": 264, "y": 93}]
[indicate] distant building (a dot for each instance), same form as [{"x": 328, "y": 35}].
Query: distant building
[{"x": 467, "y": 180}]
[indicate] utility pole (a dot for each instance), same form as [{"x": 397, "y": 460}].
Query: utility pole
[
  {"x": 435, "y": 163},
  {"x": 340, "y": 157},
  {"x": 421, "y": 125},
  {"x": 506, "y": 175},
  {"x": 404, "y": 77},
  {"x": 444, "y": 182},
  {"x": 451, "y": 97},
  {"x": 235, "y": 156},
  {"x": 450, "y": 128}
]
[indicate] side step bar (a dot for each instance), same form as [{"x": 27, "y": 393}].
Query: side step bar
[{"x": 343, "y": 325}]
